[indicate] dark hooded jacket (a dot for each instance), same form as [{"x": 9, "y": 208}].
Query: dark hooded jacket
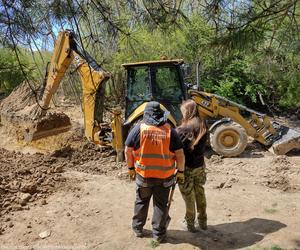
[
  {"x": 194, "y": 157},
  {"x": 153, "y": 115}
]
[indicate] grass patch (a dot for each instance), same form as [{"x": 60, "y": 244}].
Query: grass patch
[
  {"x": 276, "y": 248},
  {"x": 271, "y": 211},
  {"x": 154, "y": 243}
]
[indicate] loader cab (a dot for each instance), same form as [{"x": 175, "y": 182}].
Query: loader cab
[{"x": 160, "y": 81}]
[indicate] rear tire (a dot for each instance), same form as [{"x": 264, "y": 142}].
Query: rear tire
[{"x": 228, "y": 139}]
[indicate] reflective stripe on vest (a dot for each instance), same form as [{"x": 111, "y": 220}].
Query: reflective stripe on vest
[
  {"x": 153, "y": 156},
  {"x": 154, "y": 159},
  {"x": 161, "y": 168}
]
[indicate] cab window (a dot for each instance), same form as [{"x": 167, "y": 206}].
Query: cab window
[
  {"x": 138, "y": 84},
  {"x": 167, "y": 84},
  {"x": 138, "y": 88}
]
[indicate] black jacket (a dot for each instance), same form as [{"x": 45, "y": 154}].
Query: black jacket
[{"x": 194, "y": 158}]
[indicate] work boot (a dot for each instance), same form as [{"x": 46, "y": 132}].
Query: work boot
[
  {"x": 191, "y": 228},
  {"x": 203, "y": 224},
  {"x": 138, "y": 233},
  {"x": 160, "y": 239}
]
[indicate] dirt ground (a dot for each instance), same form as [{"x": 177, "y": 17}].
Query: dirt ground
[{"x": 65, "y": 193}]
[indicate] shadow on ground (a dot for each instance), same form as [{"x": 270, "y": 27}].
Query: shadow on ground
[
  {"x": 297, "y": 242},
  {"x": 253, "y": 150},
  {"x": 227, "y": 236},
  {"x": 293, "y": 152}
]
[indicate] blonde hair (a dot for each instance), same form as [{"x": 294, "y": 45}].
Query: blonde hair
[{"x": 191, "y": 121}]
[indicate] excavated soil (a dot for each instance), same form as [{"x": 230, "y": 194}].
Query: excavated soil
[
  {"x": 63, "y": 192},
  {"x": 26, "y": 178},
  {"x": 20, "y": 99},
  {"x": 78, "y": 197},
  {"x": 283, "y": 175},
  {"x": 17, "y": 114},
  {"x": 52, "y": 120}
]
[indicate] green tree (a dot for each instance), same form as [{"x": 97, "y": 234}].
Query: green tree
[{"x": 10, "y": 73}]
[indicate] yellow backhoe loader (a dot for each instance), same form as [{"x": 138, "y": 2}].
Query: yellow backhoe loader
[
  {"x": 162, "y": 81},
  {"x": 230, "y": 123}
]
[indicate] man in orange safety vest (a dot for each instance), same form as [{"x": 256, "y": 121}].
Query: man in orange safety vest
[{"x": 153, "y": 153}]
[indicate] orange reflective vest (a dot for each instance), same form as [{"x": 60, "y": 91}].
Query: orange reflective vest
[{"x": 154, "y": 159}]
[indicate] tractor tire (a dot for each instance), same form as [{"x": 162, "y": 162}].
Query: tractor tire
[{"x": 228, "y": 139}]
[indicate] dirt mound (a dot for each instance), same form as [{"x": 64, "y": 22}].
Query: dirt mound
[
  {"x": 281, "y": 173},
  {"x": 21, "y": 96},
  {"x": 17, "y": 114},
  {"x": 26, "y": 178},
  {"x": 89, "y": 158},
  {"x": 281, "y": 163},
  {"x": 19, "y": 101}
]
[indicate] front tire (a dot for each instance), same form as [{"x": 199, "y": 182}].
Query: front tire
[{"x": 228, "y": 139}]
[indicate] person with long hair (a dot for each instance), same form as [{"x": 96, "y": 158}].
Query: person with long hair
[{"x": 193, "y": 134}]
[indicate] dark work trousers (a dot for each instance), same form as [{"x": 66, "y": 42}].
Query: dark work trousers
[{"x": 145, "y": 189}]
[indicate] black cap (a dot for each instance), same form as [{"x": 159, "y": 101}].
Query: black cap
[{"x": 154, "y": 115}]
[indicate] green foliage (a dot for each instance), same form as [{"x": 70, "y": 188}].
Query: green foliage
[
  {"x": 154, "y": 244},
  {"x": 246, "y": 48},
  {"x": 278, "y": 70},
  {"x": 189, "y": 41},
  {"x": 10, "y": 73},
  {"x": 31, "y": 66},
  {"x": 276, "y": 248},
  {"x": 233, "y": 79}
]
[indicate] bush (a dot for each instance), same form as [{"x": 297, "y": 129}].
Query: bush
[
  {"x": 11, "y": 74},
  {"x": 233, "y": 79}
]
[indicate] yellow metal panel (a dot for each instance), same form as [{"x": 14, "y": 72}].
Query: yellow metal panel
[
  {"x": 60, "y": 61},
  {"x": 117, "y": 140},
  {"x": 214, "y": 108},
  {"x": 91, "y": 81}
]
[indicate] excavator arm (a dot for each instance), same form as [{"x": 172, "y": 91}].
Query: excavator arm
[{"x": 66, "y": 52}]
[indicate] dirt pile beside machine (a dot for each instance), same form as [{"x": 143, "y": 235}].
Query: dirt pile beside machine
[{"x": 16, "y": 114}]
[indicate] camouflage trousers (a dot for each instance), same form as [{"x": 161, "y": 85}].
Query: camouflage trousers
[{"x": 193, "y": 194}]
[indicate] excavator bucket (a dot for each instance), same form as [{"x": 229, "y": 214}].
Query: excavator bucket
[
  {"x": 288, "y": 139},
  {"x": 51, "y": 124}
]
